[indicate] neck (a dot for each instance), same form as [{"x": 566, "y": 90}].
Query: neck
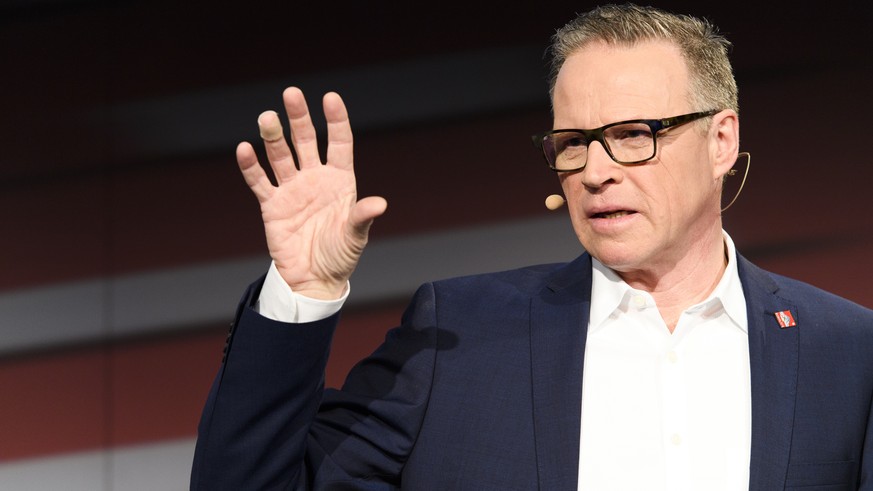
[{"x": 685, "y": 282}]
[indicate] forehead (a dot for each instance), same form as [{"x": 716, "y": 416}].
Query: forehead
[{"x": 602, "y": 83}]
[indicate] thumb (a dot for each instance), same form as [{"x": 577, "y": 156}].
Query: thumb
[{"x": 364, "y": 212}]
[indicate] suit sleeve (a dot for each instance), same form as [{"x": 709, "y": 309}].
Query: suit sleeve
[{"x": 268, "y": 423}]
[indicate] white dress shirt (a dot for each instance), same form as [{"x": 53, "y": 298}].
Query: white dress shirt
[{"x": 664, "y": 411}]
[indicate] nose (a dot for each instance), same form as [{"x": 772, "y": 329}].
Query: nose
[{"x": 600, "y": 169}]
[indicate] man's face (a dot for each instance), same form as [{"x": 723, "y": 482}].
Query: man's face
[{"x": 637, "y": 218}]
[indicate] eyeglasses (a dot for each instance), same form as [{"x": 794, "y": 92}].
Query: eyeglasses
[{"x": 626, "y": 142}]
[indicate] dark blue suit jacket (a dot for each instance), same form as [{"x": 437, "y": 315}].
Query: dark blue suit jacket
[{"x": 480, "y": 388}]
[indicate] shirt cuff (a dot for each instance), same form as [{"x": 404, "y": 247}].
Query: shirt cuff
[{"x": 279, "y": 303}]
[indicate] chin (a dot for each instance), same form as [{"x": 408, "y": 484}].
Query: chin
[{"x": 615, "y": 258}]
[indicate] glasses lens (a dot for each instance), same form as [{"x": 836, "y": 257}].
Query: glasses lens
[
  {"x": 566, "y": 150},
  {"x": 632, "y": 142}
]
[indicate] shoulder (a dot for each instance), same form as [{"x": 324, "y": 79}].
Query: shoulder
[
  {"x": 815, "y": 306},
  {"x": 814, "y": 297},
  {"x": 527, "y": 281},
  {"x": 828, "y": 318},
  {"x": 503, "y": 293}
]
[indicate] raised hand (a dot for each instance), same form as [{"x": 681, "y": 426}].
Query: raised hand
[{"x": 315, "y": 226}]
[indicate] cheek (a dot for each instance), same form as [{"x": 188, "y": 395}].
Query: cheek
[
  {"x": 571, "y": 185},
  {"x": 565, "y": 182},
  {"x": 574, "y": 195},
  {"x": 674, "y": 190},
  {"x": 573, "y": 190},
  {"x": 688, "y": 180},
  {"x": 697, "y": 188}
]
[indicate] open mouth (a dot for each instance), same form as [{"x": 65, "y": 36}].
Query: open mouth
[{"x": 613, "y": 214}]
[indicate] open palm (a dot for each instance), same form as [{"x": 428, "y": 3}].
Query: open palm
[{"x": 315, "y": 226}]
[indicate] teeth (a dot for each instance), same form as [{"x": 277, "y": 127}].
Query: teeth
[{"x": 616, "y": 214}]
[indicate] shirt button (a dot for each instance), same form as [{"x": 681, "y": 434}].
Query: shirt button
[
  {"x": 676, "y": 439},
  {"x": 639, "y": 301},
  {"x": 672, "y": 357}
]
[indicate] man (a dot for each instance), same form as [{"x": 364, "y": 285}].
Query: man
[{"x": 659, "y": 359}]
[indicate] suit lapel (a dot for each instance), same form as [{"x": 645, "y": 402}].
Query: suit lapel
[
  {"x": 773, "y": 358},
  {"x": 559, "y": 323}
]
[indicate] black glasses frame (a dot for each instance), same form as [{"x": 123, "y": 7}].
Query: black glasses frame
[{"x": 656, "y": 125}]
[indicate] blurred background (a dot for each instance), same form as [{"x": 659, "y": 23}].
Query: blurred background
[{"x": 127, "y": 234}]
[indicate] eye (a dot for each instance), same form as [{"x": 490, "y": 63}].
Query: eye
[
  {"x": 632, "y": 133},
  {"x": 575, "y": 141},
  {"x": 569, "y": 142}
]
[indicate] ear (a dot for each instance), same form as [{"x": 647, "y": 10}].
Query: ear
[{"x": 724, "y": 142}]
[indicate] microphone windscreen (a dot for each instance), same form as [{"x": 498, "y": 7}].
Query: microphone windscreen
[{"x": 554, "y": 201}]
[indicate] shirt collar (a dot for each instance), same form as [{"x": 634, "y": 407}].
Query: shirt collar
[
  {"x": 609, "y": 292},
  {"x": 730, "y": 290}
]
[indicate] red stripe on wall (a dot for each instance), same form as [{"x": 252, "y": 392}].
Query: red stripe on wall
[
  {"x": 138, "y": 391},
  {"x": 53, "y": 403}
]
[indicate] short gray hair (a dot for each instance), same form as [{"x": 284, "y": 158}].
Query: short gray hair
[{"x": 712, "y": 84}]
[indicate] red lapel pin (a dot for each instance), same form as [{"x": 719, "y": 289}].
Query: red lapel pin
[{"x": 785, "y": 319}]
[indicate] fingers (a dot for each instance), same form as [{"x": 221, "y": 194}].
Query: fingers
[
  {"x": 278, "y": 153},
  {"x": 339, "y": 131},
  {"x": 302, "y": 132},
  {"x": 252, "y": 171},
  {"x": 303, "y": 138}
]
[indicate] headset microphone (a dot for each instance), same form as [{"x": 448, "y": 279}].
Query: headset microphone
[{"x": 554, "y": 201}]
